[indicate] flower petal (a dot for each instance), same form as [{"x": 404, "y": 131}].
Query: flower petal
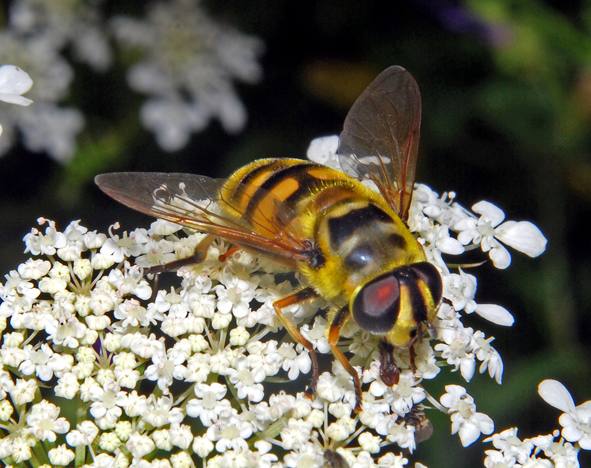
[
  {"x": 323, "y": 150},
  {"x": 489, "y": 211},
  {"x": 500, "y": 256},
  {"x": 14, "y": 80},
  {"x": 495, "y": 314},
  {"x": 522, "y": 236},
  {"x": 556, "y": 394},
  {"x": 469, "y": 434},
  {"x": 450, "y": 246},
  {"x": 15, "y": 99}
]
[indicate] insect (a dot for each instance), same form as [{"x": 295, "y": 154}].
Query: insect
[
  {"x": 416, "y": 418},
  {"x": 349, "y": 241},
  {"x": 333, "y": 459}
]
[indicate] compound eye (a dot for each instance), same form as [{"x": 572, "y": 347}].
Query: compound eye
[
  {"x": 431, "y": 277},
  {"x": 375, "y": 306}
]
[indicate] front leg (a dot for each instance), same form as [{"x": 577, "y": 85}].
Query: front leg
[
  {"x": 301, "y": 297},
  {"x": 334, "y": 332}
]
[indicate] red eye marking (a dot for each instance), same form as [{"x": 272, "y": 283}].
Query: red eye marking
[{"x": 381, "y": 296}]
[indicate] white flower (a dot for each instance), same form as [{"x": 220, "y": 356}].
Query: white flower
[
  {"x": 460, "y": 289},
  {"x": 187, "y": 65},
  {"x": 109, "y": 441},
  {"x": 140, "y": 444},
  {"x": 438, "y": 209},
  {"x": 173, "y": 121},
  {"x": 65, "y": 24},
  {"x": 119, "y": 248},
  {"x": 43, "y": 362},
  {"x": 52, "y": 129},
  {"x": 294, "y": 362},
  {"x": 84, "y": 434},
  {"x": 130, "y": 281},
  {"x": 202, "y": 446},
  {"x": 69, "y": 332},
  {"x": 455, "y": 347},
  {"x": 209, "y": 404},
  {"x": 43, "y": 421},
  {"x": 296, "y": 434},
  {"x": 181, "y": 436},
  {"x": 369, "y": 442},
  {"x": 488, "y": 230},
  {"x": 305, "y": 455},
  {"x": 106, "y": 404},
  {"x": 61, "y": 455},
  {"x": 464, "y": 417},
  {"x": 49, "y": 128},
  {"x": 245, "y": 381},
  {"x": 161, "y": 411},
  {"x": 230, "y": 433},
  {"x": 329, "y": 387},
  {"x": 392, "y": 461},
  {"x": 23, "y": 391},
  {"x": 164, "y": 368},
  {"x": 402, "y": 396},
  {"x": 45, "y": 244},
  {"x": 34, "y": 269},
  {"x": 576, "y": 421},
  {"x": 510, "y": 445},
  {"x": 234, "y": 295},
  {"x": 67, "y": 386},
  {"x": 216, "y": 324},
  {"x": 489, "y": 356},
  {"x": 21, "y": 449}
]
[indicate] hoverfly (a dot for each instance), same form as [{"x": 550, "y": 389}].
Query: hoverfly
[{"x": 349, "y": 241}]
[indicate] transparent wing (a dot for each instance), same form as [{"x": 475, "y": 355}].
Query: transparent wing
[
  {"x": 196, "y": 202},
  {"x": 380, "y": 137}
]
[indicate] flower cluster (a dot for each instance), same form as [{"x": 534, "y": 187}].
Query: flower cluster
[
  {"x": 201, "y": 369},
  {"x": 546, "y": 450},
  {"x": 187, "y": 67},
  {"x": 178, "y": 51}
]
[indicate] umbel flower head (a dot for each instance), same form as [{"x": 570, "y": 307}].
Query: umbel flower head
[
  {"x": 102, "y": 367},
  {"x": 187, "y": 68}
]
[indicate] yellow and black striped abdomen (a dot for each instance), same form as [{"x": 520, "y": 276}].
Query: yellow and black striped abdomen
[{"x": 269, "y": 192}]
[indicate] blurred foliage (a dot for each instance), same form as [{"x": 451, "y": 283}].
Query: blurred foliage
[{"x": 506, "y": 89}]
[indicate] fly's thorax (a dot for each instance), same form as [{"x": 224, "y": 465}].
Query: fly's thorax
[{"x": 360, "y": 236}]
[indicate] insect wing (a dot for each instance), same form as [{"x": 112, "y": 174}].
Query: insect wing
[
  {"x": 196, "y": 202},
  {"x": 334, "y": 459},
  {"x": 380, "y": 137},
  {"x": 423, "y": 427}
]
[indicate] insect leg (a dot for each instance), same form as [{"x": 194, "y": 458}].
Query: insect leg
[
  {"x": 198, "y": 256},
  {"x": 333, "y": 337},
  {"x": 389, "y": 372},
  {"x": 411, "y": 355},
  {"x": 419, "y": 336},
  {"x": 299, "y": 297},
  {"x": 231, "y": 251}
]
